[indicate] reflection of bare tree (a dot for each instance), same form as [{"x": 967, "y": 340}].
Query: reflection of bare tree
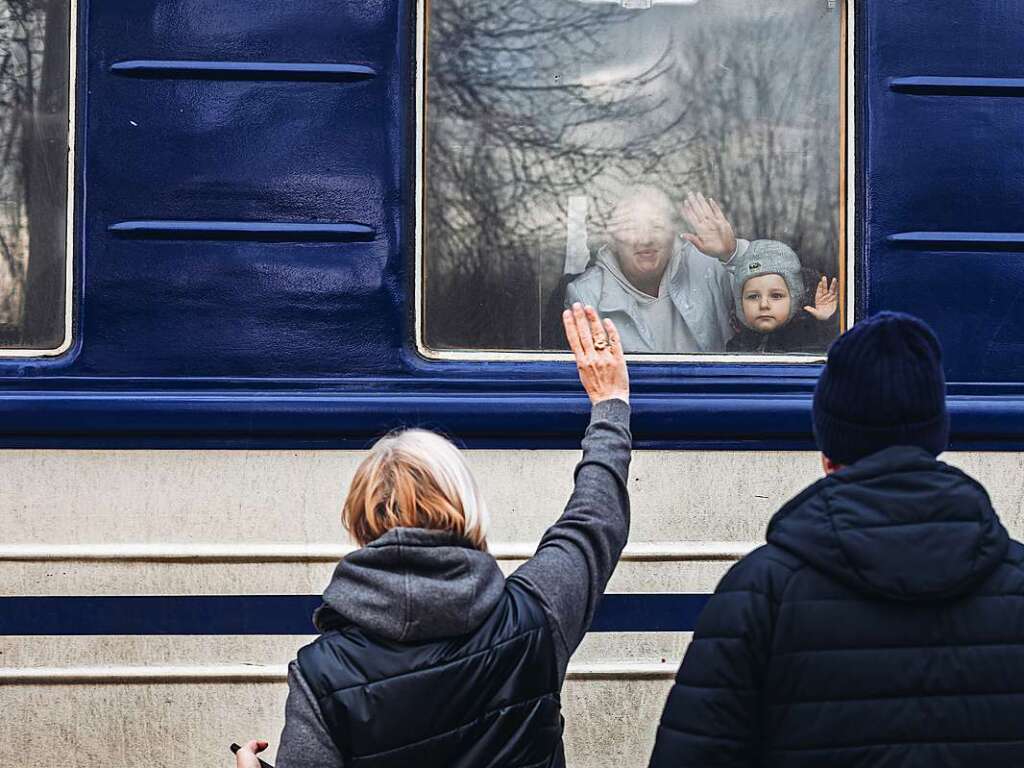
[
  {"x": 513, "y": 129},
  {"x": 33, "y": 173},
  {"x": 768, "y": 120},
  {"x": 738, "y": 100}
]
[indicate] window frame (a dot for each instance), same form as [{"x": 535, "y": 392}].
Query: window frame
[
  {"x": 69, "y": 235},
  {"x": 847, "y": 232}
]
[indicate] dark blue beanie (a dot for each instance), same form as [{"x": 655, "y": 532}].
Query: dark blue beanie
[{"x": 882, "y": 385}]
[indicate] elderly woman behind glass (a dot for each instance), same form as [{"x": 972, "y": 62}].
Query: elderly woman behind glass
[
  {"x": 668, "y": 291},
  {"x": 428, "y": 655}
]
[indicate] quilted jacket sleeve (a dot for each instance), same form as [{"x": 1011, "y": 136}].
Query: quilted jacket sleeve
[{"x": 712, "y": 716}]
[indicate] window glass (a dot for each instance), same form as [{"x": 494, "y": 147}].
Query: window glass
[
  {"x": 34, "y": 74},
  {"x": 676, "y": 163}
]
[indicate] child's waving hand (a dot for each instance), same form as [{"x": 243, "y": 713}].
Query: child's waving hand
[{"x": 826, "y": 299}]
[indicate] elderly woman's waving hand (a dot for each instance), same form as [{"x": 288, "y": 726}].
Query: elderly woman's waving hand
[{"x": 598, "y": 352}]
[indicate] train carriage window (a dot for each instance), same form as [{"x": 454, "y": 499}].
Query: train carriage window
[
  {"x": 35, "y": 56},
  {"x": 676, "y": 163}
]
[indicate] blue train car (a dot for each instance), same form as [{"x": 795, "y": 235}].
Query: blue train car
[{"x": 242, "y": 238}]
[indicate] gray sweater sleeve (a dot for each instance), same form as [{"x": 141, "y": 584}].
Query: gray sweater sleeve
[
  {"x": 305, "y": 742},
  {"x": 578, "y": 553}
]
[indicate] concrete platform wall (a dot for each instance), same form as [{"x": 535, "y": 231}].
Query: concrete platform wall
[{"x": 139, "y": 701}]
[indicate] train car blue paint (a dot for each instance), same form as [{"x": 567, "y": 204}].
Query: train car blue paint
[
  {"x": 240, "y": 419},
  {"x": 276, "y": 614},
  {"x": 245, "y": 229},
  {"x": 243, "y": 70}
]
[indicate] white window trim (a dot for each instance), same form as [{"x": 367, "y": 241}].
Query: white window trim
[
  {"x": 69, "y": 237},
  {"x": 524, "y": 356}
]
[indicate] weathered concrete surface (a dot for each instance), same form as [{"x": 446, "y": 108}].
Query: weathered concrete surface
[{"x": 202, "y": 498}]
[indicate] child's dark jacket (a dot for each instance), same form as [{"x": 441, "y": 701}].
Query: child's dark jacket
[
  {"x": 802, "y": 334},
  {"x": 882, "y": 625}
]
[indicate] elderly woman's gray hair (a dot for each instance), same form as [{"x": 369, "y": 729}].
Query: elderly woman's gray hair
[{"x": 415, "y": 479}]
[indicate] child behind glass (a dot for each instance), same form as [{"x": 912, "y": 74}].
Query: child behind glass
[{"x": 769, "y": 288}]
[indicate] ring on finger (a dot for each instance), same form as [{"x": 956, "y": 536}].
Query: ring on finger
[{"x": 601, "y": 343}]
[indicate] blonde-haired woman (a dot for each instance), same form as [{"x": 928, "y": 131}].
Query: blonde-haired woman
[{"x": 428, "y": 655}]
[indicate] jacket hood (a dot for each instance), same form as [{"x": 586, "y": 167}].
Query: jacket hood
[
  {"x": 897, "y": 523},
  {"x": 413, "y": 585}
]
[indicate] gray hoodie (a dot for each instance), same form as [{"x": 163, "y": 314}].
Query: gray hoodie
[{"x": 414, "y": 585}]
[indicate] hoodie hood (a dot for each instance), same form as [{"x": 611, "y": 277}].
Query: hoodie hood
[
  {"x": 413, "y": 585},
  {"x": 897, "y": 523}
]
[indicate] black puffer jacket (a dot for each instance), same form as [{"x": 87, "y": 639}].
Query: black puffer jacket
[
  {"x": 882, "y": 626},
  {"x": 487, "y": 698},
  {"x": 431, "y": 657}
]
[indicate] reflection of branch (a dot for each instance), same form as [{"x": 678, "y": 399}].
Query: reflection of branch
[
  {"x": 768, "y": 133},
  {"x": 545, "y": 138},
  {"x": 514, "y": 128},
  {"x": 14, "y": 265},
  {"x": 22, "y": 27}
]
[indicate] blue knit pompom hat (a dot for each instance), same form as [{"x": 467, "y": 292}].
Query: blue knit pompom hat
[{"x": 882, "y": 385}]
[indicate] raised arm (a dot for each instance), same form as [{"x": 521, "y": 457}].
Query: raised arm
[{"x": 578, "y": 553}]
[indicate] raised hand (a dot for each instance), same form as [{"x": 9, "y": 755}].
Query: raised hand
[
  {"x": 826, "y": 299},
  {"x": 598, "y": 352},
  {"x": 712, "y": 233}
]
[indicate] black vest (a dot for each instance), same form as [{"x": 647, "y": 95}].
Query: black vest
[{"x": 489, "y": 699}]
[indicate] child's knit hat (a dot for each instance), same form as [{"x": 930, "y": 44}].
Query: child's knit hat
[
  {"x": 882, "y": 386},
  {"x": 768, "y": 257}
]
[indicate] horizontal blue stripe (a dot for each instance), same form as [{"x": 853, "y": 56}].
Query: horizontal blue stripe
[
  {"x": 277, "y": 614},
  {"x": 241, "y": 419},
  {"x": 244, "y": 230},
  {"x": 354, "y": 419},
  {"x": 962, "y": 240},
  {"x": 243, "y": 70},
  {"x": 959, "y": 86}
]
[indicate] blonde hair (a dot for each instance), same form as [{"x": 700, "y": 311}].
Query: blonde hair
[{"x": 415, "y": 479}]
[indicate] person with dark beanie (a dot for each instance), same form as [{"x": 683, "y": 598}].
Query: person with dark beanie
[{"x": 883, "y": 622}]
